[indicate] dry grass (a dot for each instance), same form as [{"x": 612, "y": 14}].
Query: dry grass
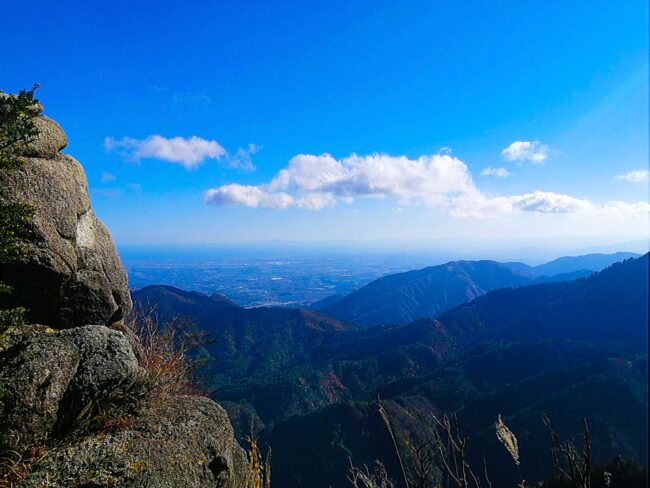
[
  {"x": 258, "y": 470},
  {"x": 507, "y": 439},
  {"x": 118, "y": 424},
  {"x": 364, "y": 478},
  {"x": 15, "y": 467},
  {"x": 164, "y": 350},
  {"x": 443, "y": 460},
  {"x": 384, "y": 417},
  {"x": 570, "y": 463},
  {"x": 451, "y": 446}
]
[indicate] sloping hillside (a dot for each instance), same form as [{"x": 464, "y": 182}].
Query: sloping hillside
[
  {"x": 609, "y": 306},
  {"x": 521, "y": 382},
  {"x": 244, "y": 341},
  {"x": 404, "y": 297},
  {"x": 592, "y": 262}
]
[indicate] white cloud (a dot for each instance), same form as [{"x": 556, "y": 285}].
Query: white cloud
[
  {"x": 623, "y": 210},
  {"x": 107, "y": 177},
  {"x": 428, "y": 179},
  {"x": 496, "y": 172},
  {"x": 550, "y": 202},
  {"x": 189, "y": 152},
  {"x": 248, "y": 196},
  {"x": 542, "y": 202},
  {"x": 316, "y": 182},
  {"x": 532, "y": 151},
  {"x": 319, "y": 181},
  {"x": 638, "y": 176}
]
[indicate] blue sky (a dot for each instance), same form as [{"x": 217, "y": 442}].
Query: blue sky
[{"x": 207, "y": 122}]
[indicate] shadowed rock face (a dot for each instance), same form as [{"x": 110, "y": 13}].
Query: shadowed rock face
[{"x": 73, "y": 275}]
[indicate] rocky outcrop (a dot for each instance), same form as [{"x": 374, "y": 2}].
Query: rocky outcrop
[
  {"x": 187, "y": 442},
  {"x": 61, "y": 387},
  {"x": 36, "y": 368},
  {"x": 77, "y": 392},
  {"x": 51, "y": 139},
  {"x": 73, "y": 275},
  {"x": 52, "y": 379}
]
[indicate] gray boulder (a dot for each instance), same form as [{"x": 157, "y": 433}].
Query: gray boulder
[
  {"x": 185, "y": 442},
  {"x": 64, "y": 385},
  {"x": 77, "y": 390},
  {"x": 108, "y": 373},
  {"x": 53, "y": 379},
  {"x": 73, "y": 275},
  {"x": 36, "y": 368},
  {"x": 51, "y": 139}
]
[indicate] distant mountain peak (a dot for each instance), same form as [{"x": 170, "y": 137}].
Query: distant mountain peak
[{"x": 403, "y": 297}]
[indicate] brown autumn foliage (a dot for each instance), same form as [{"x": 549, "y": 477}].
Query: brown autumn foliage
[{"x": 164, "y": 349}]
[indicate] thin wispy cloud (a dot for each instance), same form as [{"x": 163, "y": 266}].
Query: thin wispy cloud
[
  {"x": 117, "y": 192},
  {"x": 638, "y": 176},
  {"x": 188, "y": 152},
  {"x": 496, "y": 172},
  {"x": 242, "y": 157},
  {"x": 181, "y": 97},
  {"x": 108, "y": 192},
  {"x": 520, "y": 151},
  {"x": 316, "y": 182},
  {"x": 107, "y": 177}
]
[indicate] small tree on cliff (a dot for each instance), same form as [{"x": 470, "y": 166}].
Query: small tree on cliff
[{"x": 17, "y": 132}]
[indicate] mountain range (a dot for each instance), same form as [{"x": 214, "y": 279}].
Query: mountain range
[
  {"x": 306, "y": 380},
  {"x": 403, "y": 297},
  {"x": 571, "y": 264}
]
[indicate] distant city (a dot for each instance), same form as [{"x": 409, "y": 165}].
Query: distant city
[
  {"x": 297, "y": 275},
  {"x": 271, "y": 281}
]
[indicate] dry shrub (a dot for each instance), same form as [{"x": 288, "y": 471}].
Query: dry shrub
[
  {"x": 364, "y": 478},
  {"x": 384, "y": 417},
  {"x": 452, "y": 446},
  {"x": 118, "y": 424},
  {"x": 164, "y": 349},
  {"x": 446, "y": 453},
  {"x": 424, "y": 463},
  {"x": 14, "y": 467},
  {"x": 570, "y": 463}
]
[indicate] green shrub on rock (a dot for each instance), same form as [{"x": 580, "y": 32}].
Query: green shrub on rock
[{"x": 17, "y": 132}]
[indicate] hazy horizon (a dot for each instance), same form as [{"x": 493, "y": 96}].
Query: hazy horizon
[{"x": 530, "y": 251}]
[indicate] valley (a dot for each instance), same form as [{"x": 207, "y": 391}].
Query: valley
[{"x": 529, "y": 348}]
